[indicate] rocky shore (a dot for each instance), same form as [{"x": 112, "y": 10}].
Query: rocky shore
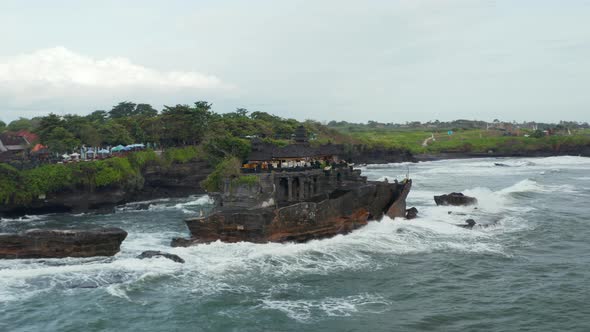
[
  {"x": 56, "y": 243},
  {"x": 179, "y": 180},
  {"x": 176, "y": 180}
]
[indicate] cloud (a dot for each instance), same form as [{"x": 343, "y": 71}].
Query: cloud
[
  {"x": 62, "y": 81},
  {"x": 59, "y": 66}
]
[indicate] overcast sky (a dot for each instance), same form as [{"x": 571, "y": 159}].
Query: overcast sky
[{"x": 389, "y": 61}]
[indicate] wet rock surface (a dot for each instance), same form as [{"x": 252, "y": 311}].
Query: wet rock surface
[
  {"x": 59, "y": 243},
  {"x": 411, "y": 213},
  {"x": 154, "y": 253},
  {"x": 456, "y": 199},
  {"x": 469, "y": 223},
  {"x": 340, "y": 212}
]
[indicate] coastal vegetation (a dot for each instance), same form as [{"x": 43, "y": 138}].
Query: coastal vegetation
[
  {"x": 227, "y": 168},
  {"x": 185, "y": 133}
]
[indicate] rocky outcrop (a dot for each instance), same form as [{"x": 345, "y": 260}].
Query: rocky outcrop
[
  {"x": 411, "y": 213},
  {"x": 174, "y": 180},
  {"x": 340, "y": 212},
  {"x": 469, "y": 223},
  {"x": 456, "y": 199},
  {"x": 154, "y": 253},
  {"x": 56, "y": 243},
  {"x": 398, "y": 207}
]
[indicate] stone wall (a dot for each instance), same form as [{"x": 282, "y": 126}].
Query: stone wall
[{"x": 284, "y": 187}]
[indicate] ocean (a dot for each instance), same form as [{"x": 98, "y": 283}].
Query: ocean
[{"x": 525, "y": 266}]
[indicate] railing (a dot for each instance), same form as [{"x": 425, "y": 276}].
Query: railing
[{"x": 291, "y": 169}]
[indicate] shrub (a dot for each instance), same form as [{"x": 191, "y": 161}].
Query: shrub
[
  {"x": 183, "y": 155},
  {"x": 249, "y": 180},
  {"x": 227, "y": 168}
]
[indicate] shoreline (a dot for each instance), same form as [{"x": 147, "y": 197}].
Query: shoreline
[
  {"x": 469, "y": 155},
  {"x": 184, "y": 181}
]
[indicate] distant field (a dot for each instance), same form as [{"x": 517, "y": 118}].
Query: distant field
[{"x": 475, "y": 140}]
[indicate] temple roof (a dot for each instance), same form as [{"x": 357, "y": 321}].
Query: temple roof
[
  {"x": 13, "y": 140},
  {"x": 264, "y": 151}
]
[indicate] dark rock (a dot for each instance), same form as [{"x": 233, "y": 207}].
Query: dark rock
[
  {"x": 56, "y": 243},
  {"x": 175, "y": 180},
  {"x": 469, "y": 223},
  {"x": 455, "y": 199},
  {"x": 458, "y": 213},
  {"x": 398, "y": 207},
  {"x": 411, "y": 213},
  {"x": 154, "y": 253},
  {"x": 182, "y": 242},
  {"x": 339, "y": 212},
  {"x": 501, "y": 165}
]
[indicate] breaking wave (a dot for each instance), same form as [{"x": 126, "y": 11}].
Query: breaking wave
[{"x": 187, "y": 205}]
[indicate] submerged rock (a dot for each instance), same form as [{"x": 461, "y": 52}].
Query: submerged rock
[
  {"x": 411, "y": 213},
  {"x": 182, "y": 242},
  {"x": 59, "y": 243},
  {"x": 456, "y": 199},
  {"x": 154, "y": 253},
  {"x": 469, "y": 223}
]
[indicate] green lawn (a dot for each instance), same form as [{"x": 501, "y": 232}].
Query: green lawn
[{"x": 475, "y": 140}]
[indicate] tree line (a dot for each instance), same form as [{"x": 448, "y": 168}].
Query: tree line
[{"x": 180, "y": 125}]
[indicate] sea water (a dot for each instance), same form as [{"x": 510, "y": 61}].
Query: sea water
[{"x": 524, "y": 266}]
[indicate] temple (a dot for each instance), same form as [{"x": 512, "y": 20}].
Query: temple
[
  {"x": 295, "y": 193},
  {"x": 292, "y": 173}
]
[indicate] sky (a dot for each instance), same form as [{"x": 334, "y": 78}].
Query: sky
[{"x": 387, "y": 61}]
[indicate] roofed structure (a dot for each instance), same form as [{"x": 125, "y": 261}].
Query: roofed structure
[
  {"x": 12, "y": 142},
  {"x": 262, "y": 151}
]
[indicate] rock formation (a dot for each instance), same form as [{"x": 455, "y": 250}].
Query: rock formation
[
  {"x": 411, "y": 213},
  {"x": 469, "y": 223},
  {"x": 154, "y": 253},
  {"x": 456, "y": 199},
  {"x": 56, "y": 243},
  {"x": 339, "y": 212}
]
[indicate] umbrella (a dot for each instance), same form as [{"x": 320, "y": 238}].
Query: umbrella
[
  {"x": 65, "y": 156},
  {"x": 118, "y": 148},
  {"x": 103, "y": 151},
  {"x": 75, "y": 154}
]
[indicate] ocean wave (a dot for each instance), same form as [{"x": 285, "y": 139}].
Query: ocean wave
[
  {"x": 305, "y": 310},
  {"x": 186, "y": 205},
  {"x": 25, "y": 218}
]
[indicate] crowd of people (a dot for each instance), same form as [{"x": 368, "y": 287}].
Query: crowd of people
[{"x": 293, "y": 164}]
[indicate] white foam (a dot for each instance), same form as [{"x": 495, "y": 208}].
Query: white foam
[
  {"x": 304, "y": 310},
  {"x": 188, "y": 207}
]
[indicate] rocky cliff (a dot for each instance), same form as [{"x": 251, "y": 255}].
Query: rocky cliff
[
  {"x": 174, "y": 180},
  {"x": 53, "y": 243}
]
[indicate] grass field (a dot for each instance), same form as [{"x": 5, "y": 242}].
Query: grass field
[{"x": 475, "y": 140}]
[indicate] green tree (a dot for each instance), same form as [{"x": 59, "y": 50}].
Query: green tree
[
  {"x": 97, "y": 116},
  {"x": 145, "y": 110},
  {"x": 183, "y": 124},
  {"x": 60, "y": 140},
  {"x": 47, "y": 124},
  {"x": 123, "y": 109},
  {"x": 20, "y": 124},
  {"x": 115, "y": 134},
  {"x": 2, "y": 126}
]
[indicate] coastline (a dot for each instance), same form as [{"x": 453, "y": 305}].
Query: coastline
[
  {"x": 525, "y": 154},
  {"x": 184, "y": 180}
]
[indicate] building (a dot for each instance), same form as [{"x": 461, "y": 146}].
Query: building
[
  {"x": 15, "y": 144},
  {"x": 299, "y": 154}
]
